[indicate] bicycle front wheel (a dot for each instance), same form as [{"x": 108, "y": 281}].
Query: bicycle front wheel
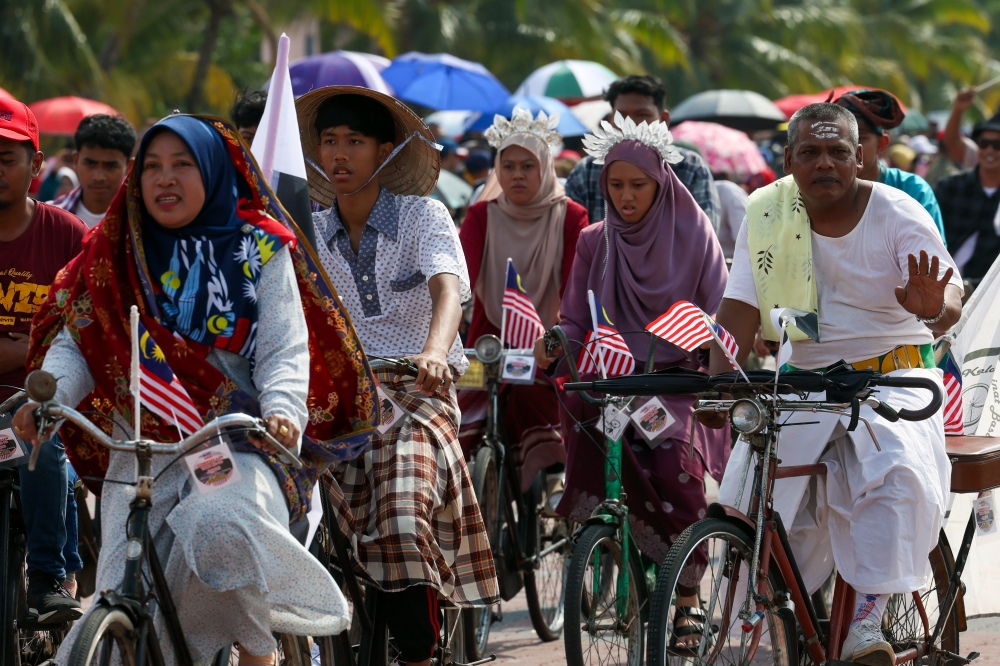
[
  {"x": 721, "y": 554},
  {"x": 550, "y": 541},
  {"x": 476, "y": 622},
  {"x": 604, "y": 623},
  {"x": 106, "y": 637}
]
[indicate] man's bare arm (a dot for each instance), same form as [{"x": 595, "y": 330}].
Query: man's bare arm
[
  {"x": 741, "y": 320},
  {"x": 952, "y": 136}
]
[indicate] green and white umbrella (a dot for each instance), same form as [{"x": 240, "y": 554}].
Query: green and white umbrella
[{"x": 568, "y": 79}]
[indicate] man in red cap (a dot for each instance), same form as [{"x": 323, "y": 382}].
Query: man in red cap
[{"x": 36, "y": 241}]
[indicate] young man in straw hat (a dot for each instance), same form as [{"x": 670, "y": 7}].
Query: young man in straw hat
[{"x": 396, "y": 261}]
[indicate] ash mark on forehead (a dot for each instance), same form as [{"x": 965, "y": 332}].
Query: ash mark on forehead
[{"x": 826, "y": 130}]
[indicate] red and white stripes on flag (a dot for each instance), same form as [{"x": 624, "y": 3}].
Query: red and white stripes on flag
[
  {"x": 683, "y": 325},
  {"x": 604, "y": 346},
  {"x": 954, "y": 419},
  {"x": 159, "y": 389},
  {"x": 521, "y": 325}
]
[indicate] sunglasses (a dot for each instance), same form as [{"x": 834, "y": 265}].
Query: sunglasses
[{"x": 989, "y": 143}]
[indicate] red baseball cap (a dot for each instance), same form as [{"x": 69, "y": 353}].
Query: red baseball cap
[{"x": 17, "y": 122}]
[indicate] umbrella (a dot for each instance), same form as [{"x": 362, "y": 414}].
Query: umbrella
[
  {"x": 913, "y": 123},
  {"x": 568, "y": 123},
  {"x": 789, "y": 105},
  {"x": 338, "y": 68},
  {"x": 452, "y": 123},
  {"x": 452, "y": 190},
  {"x": 741, "y": 109},
  {"x": 726, "y": 150},
  {"x": 442, "y": 81},
  {"x": 61, "y": 115},
  {"x": 569, "y": 79},
  {"x": 591, "y": 113}
]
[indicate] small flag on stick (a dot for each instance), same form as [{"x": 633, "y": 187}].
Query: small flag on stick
[
  {"x": 521, "y": 325},
  {"x": 688, "y": 326},
  {"x": 954, "y": 421},
  {"x": 160, "y": 390},
  {"x": 604, "y": 351}
]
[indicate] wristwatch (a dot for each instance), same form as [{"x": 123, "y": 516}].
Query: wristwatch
[{"x": 934, "y": 320}]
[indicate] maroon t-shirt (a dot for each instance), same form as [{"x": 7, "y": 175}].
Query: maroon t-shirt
[{"x": 28, "y": 265}]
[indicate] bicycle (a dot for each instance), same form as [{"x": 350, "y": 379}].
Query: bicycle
[
  {"x": 770, "y": 616},
  {"x": 531, "y": 549},
  {"x": 369, "y": 642},
  {"x": 119, "y": 629}
]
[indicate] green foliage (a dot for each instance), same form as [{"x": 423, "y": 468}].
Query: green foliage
[{"x": 141, "y": 56}]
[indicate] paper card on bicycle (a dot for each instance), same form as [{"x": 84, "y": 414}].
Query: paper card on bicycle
[
  {"x": 616, "y": 420},
  {"x": 389, "y": 410},
  {"x": 12, "y": 450},
  {"x": 518, "y": 369},
  {"x": 213, "y": 468},
  {"x": 984, "y": 509},
  {"x": 653, "y": 421}
]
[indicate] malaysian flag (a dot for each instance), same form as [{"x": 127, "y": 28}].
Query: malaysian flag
[
  {"x": 160, "y": 391},
  {"x": 953, "y": 416},
  {"x": 688, "y": 326},
  {"x": 522, "y": 325},
  {"x": 604, "y": 351}
]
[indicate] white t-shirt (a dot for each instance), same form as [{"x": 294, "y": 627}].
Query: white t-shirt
[
  {"x": 90, "y": 219},
  {"x": 856, "y": 276}
]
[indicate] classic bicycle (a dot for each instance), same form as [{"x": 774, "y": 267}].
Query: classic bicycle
[
  {"x": 369, "y": 642},
  {"x": 754, "y": 606},
  {"x": 531, "y": 548},
  {"x": 120, "y": 628}
]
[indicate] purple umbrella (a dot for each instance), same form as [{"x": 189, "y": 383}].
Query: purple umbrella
[{"x": 338, "y": 68}]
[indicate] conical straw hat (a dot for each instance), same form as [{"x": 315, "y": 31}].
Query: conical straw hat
[{"x": 413, "y": 171}]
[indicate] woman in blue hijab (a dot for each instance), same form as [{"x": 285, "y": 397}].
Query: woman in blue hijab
[{"x": 192, "y": 240}]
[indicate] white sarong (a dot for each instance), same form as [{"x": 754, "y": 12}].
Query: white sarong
[{"x": 878, "y": 513}]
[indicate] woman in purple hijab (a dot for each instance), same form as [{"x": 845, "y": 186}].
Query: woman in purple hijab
[{"x": 655, "y": 248}]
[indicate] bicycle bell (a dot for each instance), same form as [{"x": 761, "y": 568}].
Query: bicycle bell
[
  {"x": 489, "y": 348},
  {"x": 747, "y": 416}
]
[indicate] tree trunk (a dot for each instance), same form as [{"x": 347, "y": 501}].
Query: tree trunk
[{"x": 218, "y": 10}]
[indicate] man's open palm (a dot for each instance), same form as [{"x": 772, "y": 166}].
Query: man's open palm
[{"x": 923, "y": 294}]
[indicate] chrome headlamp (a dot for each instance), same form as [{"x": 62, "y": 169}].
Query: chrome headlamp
[
  {"x": 489, "y": 348},
  {"x": 747, "y": 416}
]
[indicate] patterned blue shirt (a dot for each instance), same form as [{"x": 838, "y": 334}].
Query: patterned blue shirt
[{"x": 584, "y": 185}]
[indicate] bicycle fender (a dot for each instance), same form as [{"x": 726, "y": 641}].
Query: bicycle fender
[{"x": 732, "y": 515}]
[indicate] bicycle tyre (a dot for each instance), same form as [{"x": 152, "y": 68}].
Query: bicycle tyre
[
  {"x": 547, "y": 611},
  {"x": 104, "y": 627},
  {"x": 486, "y": 484},
  {"x": 594, "y": 537},
  {"x": 336, "y": 650},
  {"x": 12, "y": 575},
  {"x": 781, "y": 631}
]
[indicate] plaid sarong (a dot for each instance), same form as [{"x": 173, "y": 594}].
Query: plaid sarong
[{"x": 408, "y": 505}]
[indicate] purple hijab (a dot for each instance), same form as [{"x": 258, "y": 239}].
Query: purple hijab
[{"x": 637, "y": 271}]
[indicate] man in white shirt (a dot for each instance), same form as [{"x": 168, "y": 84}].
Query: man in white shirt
[
  {"x": 866, "y": 259},
  {"x": 102, "y": 158}
]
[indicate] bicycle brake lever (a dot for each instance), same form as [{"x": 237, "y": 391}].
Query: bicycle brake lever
[{"x": 294, "y": 459}]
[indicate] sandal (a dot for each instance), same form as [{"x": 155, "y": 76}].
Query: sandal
[{"x": 697, "y": 618}]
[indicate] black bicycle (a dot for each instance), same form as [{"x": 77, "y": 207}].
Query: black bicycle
[
  {"x": 120, "y": 629},
  {"x": 531, "y": 545},
  {"x": 369, "y": 642}
]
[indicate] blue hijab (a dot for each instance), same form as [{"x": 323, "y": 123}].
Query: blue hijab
[{"x": 205, "y": 274}]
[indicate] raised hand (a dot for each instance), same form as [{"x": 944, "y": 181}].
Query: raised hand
[{"x": 923, "y": 294}]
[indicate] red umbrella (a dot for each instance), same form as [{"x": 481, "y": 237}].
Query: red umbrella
[
  {"x": 789, "y": 105},
  {"x": 61, "y": 115}
]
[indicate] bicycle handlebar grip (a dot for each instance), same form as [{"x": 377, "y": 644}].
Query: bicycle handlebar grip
[
  {"x": 40, "y": 386},
  {"x": 920, "y": 383}
]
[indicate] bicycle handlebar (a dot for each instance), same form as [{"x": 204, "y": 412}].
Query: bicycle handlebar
[
  {"x": 556, "y": 337},
  {"x": 403, "y": 367},
  {"x": 914, "y": 382},
  {"x": 41, "y": 384}
]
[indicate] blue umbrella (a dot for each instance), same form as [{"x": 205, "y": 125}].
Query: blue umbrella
[
  {"x": 444, "y": 82},
  {"x": 338, "y": 68},
  {"x": 569, "y": 125}
]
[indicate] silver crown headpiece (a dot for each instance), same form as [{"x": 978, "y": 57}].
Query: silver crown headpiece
[
  {"x": 544, "y": 127},
  {"x": 656, "y": 135}
]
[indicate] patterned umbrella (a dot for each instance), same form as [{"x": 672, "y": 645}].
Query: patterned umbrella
[
  {"x": 338, "y": 68},
  {"x": 726, "y": 150},
  {"x": 568, "y": 79},
  {"x": 61, "y": 115}
]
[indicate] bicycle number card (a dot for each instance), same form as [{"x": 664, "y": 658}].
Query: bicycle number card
[
  {"x": 984, "y": 508},
  {"x": 518, "y": 369},
  {"x": 389, "y": 411},
  {"x": 213, "y": 468},
  {"x": 653, "y": 421},
  {"x": 13, "y": 451},
  {"x": 613, "y": 421}
]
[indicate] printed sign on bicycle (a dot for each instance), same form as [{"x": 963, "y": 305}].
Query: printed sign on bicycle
[{"x": 213, "y": 468}]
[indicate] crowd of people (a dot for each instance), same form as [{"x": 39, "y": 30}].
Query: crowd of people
[{"x": 178, "y": 222}]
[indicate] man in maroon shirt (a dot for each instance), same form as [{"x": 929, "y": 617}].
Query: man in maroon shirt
[{"x": 36, "y": 241}]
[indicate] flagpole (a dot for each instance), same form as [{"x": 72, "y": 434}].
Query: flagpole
[
  {"x": 135, "y": 388},
  {"x": 503, "y": 310},
  {"x": 277, "y": 87},
  {"x": 597, "y": 342},
  {"x": 725, "y": 351}
]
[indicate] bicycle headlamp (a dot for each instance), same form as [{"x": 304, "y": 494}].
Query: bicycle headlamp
[
  {"x": 747, "y": 416},
  {"x": 488, "y": 348}
]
